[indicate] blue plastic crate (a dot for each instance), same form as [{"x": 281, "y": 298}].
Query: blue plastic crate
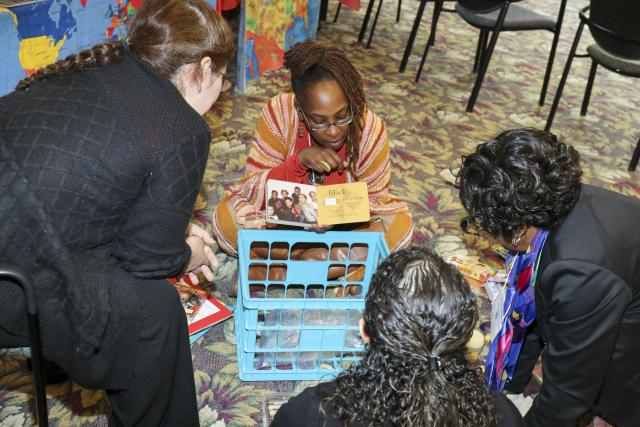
[{"x": 304, "y": 325}]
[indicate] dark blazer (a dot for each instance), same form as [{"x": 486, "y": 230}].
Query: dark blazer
[
  {"x": 588, "y": 303},
  {"x": 304, "y": 410},
  {"x": 99, "y": 171}
]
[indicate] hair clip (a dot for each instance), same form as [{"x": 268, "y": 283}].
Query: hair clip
[{"x": 124, "y": 43}]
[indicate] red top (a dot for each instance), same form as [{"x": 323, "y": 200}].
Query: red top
[{"x": 293, "y": 171}]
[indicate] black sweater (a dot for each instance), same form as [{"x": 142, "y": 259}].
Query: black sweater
[
  {"x": 99, "y": 171},
  {"x": 304, "y": 410}
]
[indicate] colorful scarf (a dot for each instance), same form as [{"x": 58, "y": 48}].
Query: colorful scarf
[{"x": 519, "y": 311}]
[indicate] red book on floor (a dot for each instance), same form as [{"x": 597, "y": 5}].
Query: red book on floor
[{"x": 202, "y": 309}]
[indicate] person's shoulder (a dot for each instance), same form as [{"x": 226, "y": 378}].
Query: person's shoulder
[
  {"x": 304, "y": 407},
  {"x": 282, "y": 100}
]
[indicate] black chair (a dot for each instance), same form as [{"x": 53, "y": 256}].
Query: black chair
[
  {"x": 13, "y": 274},
  {"x": 437, "y": 9},
  {"x": 491, "y": 20},
  {"x": 617, "y": 49},
  {"x": 367, "y": 17}
]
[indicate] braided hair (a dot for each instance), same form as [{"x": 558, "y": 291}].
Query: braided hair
[
  {"x": 100, "y": 55},
  {"x": 310, "y": 63},
  {"x": 165, "y": 33},
  {"x": 419, "y": 315}
]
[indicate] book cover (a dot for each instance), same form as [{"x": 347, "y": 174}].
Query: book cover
[
  {"x": 302, "y": 205},
  {"x": 201, "y": 308},
  {"x": 343, "y": 203},
  {"x": 289, "y": 203}
]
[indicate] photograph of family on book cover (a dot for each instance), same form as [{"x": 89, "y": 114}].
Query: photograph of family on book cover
[{"x": 290, "y": 203}]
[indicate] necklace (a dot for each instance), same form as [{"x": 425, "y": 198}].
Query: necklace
[{"x": 315, "y": 178}]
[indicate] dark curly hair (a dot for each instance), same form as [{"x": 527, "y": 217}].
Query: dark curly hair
[
  {"x": 523, "y": 177},
  {"x": 418, "y": 308},
  {"x": 310, "y": 63}
]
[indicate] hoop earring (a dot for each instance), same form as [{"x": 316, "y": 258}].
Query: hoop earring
[{"x": 516, "y": 241}]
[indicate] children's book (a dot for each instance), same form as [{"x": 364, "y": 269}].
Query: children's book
[
  {"x": 304, "y": 205},
  {"x": 201, "y": 308}
]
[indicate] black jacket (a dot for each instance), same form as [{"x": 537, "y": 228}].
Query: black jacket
[
  {"x": 304, "y": 410},
  {"x": 99, "y": 171},
  {"x": 588, "y": 303}
]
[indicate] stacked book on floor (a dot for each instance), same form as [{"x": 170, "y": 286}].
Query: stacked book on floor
[{"x": 202, "y": 309}]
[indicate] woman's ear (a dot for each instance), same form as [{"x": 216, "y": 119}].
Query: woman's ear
[
  {"x": 363, "y": 334},
  {"x": 205, "y": 66}
]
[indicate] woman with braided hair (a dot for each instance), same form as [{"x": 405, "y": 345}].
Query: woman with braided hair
[
  {"x": 322, "y": 133},
  {"x": 419, "y": 314},
  {"x": 101, "y": 158}
]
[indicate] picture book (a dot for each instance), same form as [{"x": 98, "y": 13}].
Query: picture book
[
  {"x": 304, "y": 205},
  {"x": 343, "y": 203},
  {"x": 201, "y": 308}
]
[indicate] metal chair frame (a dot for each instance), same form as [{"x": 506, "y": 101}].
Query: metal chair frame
[
  {"x": 484, "y": 51},
  {"x": 584, "y": 20},
  {"x": 16, "y": 275}
]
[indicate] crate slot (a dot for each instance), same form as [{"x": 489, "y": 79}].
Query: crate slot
[
  {"x": 279, "y": 251},
  {"x": 309, "y": 251},
  {"x": 359, "y": 252}
]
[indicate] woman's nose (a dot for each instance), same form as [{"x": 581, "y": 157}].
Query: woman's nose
[{"x": 333, "y": 131}]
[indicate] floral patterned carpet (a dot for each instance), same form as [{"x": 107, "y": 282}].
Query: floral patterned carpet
[{"x": 429, "y": 131}]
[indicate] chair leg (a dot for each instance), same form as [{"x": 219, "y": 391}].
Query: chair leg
[
  {"x": 399, "y": 9},
  {"x": 486, "y": 57},
  {"x": 412, "y": 36},
  {"x": 636, "y": 156},
  {"x": 482, "y": 41},
  {"x": 335, "y": 18},
  {"x": 373, "y": 27},
  {"x": 35, "y": 341},
  {"x": 587, "y": 91},
  {"x": 552, "y": 53},
  {"x": 563, "y": 79},
  {"x": 38, "y": 371},
  {"x": 365, "y": 22},
  {"x": 432, "y": 34}
]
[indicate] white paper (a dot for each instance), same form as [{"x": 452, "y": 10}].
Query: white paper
[{"x": 497, "y": 312}]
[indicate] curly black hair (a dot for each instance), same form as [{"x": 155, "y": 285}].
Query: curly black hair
[
  {"x": 418, "y": 308},
  {"x": 523, "y": 177}
]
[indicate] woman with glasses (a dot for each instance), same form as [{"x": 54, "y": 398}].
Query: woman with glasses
[
  {"x": 101, "y": 158},
  {"x": 419, "y": 315},
  {"x": 573, "y": 286},
  {"x": 322, "y": 133}
]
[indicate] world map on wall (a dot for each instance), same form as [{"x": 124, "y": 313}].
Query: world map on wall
[
  {"x": 274, "y": 26},
  {"x": 38, "y": 34}
]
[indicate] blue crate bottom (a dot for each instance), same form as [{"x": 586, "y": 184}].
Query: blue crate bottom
[{"x": 301, "y": 344}]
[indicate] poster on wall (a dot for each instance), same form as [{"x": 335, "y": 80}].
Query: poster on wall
[
  {"x": 268, "y": 28},
  {"x": 35, "y": 35}
]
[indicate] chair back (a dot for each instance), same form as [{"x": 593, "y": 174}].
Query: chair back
[
  {"x": 482, "y": 6},
  {"x": 620, "y": 18}
]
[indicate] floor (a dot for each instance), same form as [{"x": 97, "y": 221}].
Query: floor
[{"x": 429, "y": 132}]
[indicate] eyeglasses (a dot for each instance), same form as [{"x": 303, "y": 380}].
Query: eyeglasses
[
  {"x": 226, "y": 83},
  {"x": 323, "y": 127}
]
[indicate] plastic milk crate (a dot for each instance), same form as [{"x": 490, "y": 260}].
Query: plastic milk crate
[{"x": 298, "y": 319}]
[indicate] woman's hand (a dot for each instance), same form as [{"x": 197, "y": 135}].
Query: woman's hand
[
  {"x": 321, "y": 159},
  {"x": 203, "y": 260},
  {"x": 318, "y": 228}
]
